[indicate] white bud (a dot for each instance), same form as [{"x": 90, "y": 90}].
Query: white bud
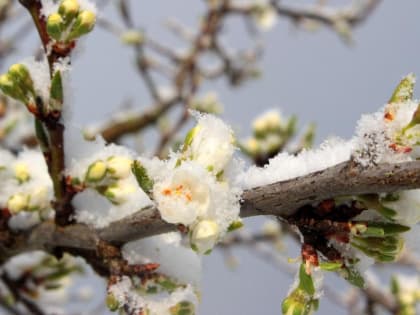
[
  {"x": 204, "y": 236},
  {"x": 119, "y": 167},
  {"x": 21, "y": 172},
  {"x": 17, "y": 203},
  {"x": 265, "y": 17},
  {"x": 38, "y": 199},
  {"x": 268, "y": 121},
  {"x": 96, "y": 171},
  {"x": 211, "y": 144},
  {"x": 119, "y": 193}
]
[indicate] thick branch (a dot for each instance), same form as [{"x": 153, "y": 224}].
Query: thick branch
[{"x": 279, "y": 199}]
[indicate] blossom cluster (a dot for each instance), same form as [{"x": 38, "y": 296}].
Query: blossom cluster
[
  {"x": 102, "y": 175},
  {"x": 26, "y": 190},
  {"x": 196, "y": 186},
  {"x": 68, "y": 20}
]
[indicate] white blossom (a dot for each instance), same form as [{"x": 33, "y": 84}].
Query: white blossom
[
  {"x": 265, "y": 15},
  {"x": 210, "y": 143},
  {"x": 184, "y": 195},
  {"x": 270, "y": 120}
]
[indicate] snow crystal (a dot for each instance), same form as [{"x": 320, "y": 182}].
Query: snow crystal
[{"x": 285, "y": 166}]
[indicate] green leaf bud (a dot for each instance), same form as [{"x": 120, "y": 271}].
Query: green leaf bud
[
  {"x": 68, "y": 9},
  {"x": 55, "y": 26},
  {"x": 11, "y": 89},
  {"x": 84, "y": 23},
  {"x": 96, "y": 171}
]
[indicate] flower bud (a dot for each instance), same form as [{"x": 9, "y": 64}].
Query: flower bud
[
  {"x": 20, "y": 74},
  {"x": 119, "y": 193},
  {"x": 252, "y": 146},
  {"x": 132, "y": 37},
  {"x": 265, "y": 16},
  {"x": 38, "y": 199},
  {"x": 21, "y": 172},
  {"x": 55, "y": 26},
  {"x": 84, "y": 23},
  {"x": 119, "y": 167},
  {"x": 10, "y": 89},
  {"x": 112, "y": 302},
  {"x": 17, "y": 203},
  {"x": 96, "y": 171},
  {"x": 204, "y": 236},
  {"x": 68, "y": 9}
]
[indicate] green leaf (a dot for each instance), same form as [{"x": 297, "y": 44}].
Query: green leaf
[
  {"x": 235, "y": 225},
  {"x": 56, "y": 91},
  {"x": 41, "y": 135},
  {"x": 387, "y": 212},
  {"x": 190, "y": 136},
  {"x": 404, "y": 91},
  {"x": 112, "y": 302},
  {"x": 305, "y": 281},
  {"x": 395, "y": 287},
  {"x": 142, "y": 178},
  {"x": 354, "y": 277},
  {"x": 389, "y": 228},
  {"x": 168, "y": 285},
  {"x": 330, "y": 266}
]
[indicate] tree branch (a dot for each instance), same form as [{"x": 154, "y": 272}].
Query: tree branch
[{"x": 280, "y": 199}]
